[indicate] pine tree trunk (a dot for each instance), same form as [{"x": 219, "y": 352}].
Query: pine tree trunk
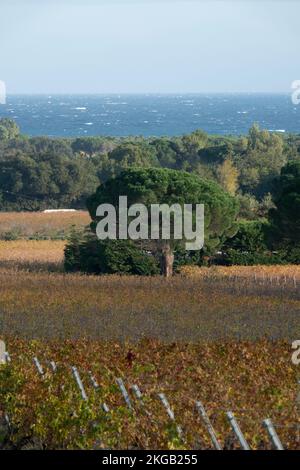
[{"x": 167, "y": 260}]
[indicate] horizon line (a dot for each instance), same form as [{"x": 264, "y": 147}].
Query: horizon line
[{"x": 46, "y": 93}]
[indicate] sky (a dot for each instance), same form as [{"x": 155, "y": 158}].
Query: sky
[{"x": 149, "y": 46}]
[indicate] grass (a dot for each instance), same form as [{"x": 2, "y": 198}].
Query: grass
[
  {"x": 275, "y": 273},
  {"x": 32, "y": 255},
  {"x": 40, "y": 225}
]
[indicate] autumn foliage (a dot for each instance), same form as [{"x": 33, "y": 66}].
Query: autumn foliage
[{"x": 254, "y": 380}]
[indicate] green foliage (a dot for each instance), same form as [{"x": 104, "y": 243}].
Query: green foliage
[
  {"x": 167, "y": 152},
  {"x": 8, "y": 129},
  {"x": 43, "y": 172},
  {"x": 285, "y": 218},
  {"x": 93, "y": 145},
  {"x": 291, "y": 254},
  {"x": 31, "y": 183},
  {"x": 166, "y": 186},
  {"x": 249, "y": 206},
  {"x": 249, "y": 245},
  {"x": 49, "y": 410},
  {"x": 10, "y": 235},
  {"x": 238, "y": 258},
  {"x": 261, "y": 161},
  {"x": 250, "y": 237},
  {"x": 85, "y": 253}
]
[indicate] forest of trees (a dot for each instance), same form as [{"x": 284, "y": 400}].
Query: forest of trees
[
  {"x": 41, "y": 172},
  {"x": 260, "y": 170}
]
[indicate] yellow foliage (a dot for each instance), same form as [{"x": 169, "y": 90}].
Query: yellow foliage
[{"x": 228, "y": 176}]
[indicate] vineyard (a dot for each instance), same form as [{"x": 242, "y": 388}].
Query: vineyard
[
  {"x": 43, "y": 305},
  {"x": 40, "y": 225},
  {"x": 32, "y": 255},
  {"x": 148, "y": 395},
  {"x": 199, "y": 361}
]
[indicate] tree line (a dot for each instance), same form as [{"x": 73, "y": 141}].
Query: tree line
[
  {"x": 250, "y": 184},
  {"x": 41, "y": 172}
]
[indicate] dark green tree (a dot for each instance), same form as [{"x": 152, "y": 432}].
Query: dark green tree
[
  {"x": 285, "y": 218},
  {"x": 165, "y": 186},
  {"x": 167, "y": 152},
  {"x": 261, "y": 162},
  {"x": 8, "y": 129},
  {"x": 85, "y": 253},
  {"x": 93, "y": 145},
  {"x": 27, "y": 183},
  {"x": 134, "y": 154}
]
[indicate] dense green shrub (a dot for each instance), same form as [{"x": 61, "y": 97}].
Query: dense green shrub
[
  {"x": 239, "y": 258},
  {"x": 85, "y": 253},
  {"x": 285, "y": 218},
  {"x": 251, "y": 236},
  {"x": 250, "y": 247}
]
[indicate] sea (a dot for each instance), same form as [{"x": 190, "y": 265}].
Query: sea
[{"x": 151, "y": 114}]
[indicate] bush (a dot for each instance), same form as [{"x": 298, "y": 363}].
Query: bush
[
  {"x": 238, "y": 258},
  {"x": 250, "y": 237},
  {"x": 249, "y": 246},
  {"x": 10, "y": 235},
  {"x": 85, "y": 253}
]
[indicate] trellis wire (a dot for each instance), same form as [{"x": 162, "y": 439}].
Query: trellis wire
[
  {"x": 237, "y": 431},
  {"x": 201, "y": 410}
]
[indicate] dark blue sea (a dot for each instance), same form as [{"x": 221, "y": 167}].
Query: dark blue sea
[{"x": 150, "y": 115}]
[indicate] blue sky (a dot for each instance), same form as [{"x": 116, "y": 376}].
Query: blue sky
[{"x": 149, "y": 46}]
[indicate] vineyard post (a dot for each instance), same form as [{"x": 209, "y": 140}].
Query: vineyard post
[
  {"x": 7, "y": 420},
  {"x": 38, "y": 366},
  {"x": 96, "y": 386},
  {"x": 7, "y": 357},
  {"x": 139, "y": 396},
  {"x": 170, "y": 412},
  {"x": 2, "y": 352},
  {"x": 137, "y": 392},
  {"x": 201, "y": 410},
  {"x": 94, "y": 381},
  {"x": 298, "y": 408},
  {"x": 53, "y": 366},
  {"x": 273, "y": 434},
  {"x": 105, "y": 407},
  {"x": 79, "y": 383},
  {"x": 124, "y": 392},
  {"x": 236, "y": 429}
]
